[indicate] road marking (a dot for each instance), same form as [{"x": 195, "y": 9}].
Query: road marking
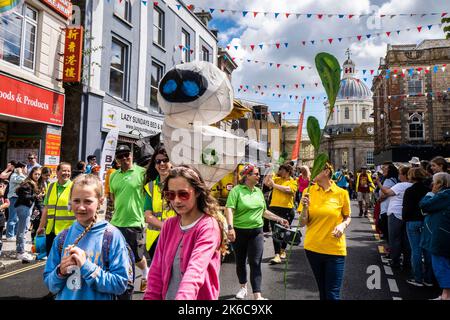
[
  {"x": 377, "y": 236},
  {"x": 396, "y": 298},
  {"x": 373, "y": 227},
  {"x": 384, "y": 259},
  {"x": 393, "y": 285},
  {"x": 12, "y": 273},
  {"x": 381, "y": 249},
  {"x": 388, "y": 270}
]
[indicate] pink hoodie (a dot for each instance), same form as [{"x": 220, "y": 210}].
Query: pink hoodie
[{"x": 199, "y": 261}]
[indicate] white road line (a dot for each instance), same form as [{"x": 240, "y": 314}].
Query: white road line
[
  {"x": 384, "y": 259},
  {"x": 393, "y": 285},
  {"x": 388, "y": 270},
  {"x": 396, "y": 298}
]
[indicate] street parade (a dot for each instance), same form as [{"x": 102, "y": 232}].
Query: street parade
[{"x": 224, "y": 150}]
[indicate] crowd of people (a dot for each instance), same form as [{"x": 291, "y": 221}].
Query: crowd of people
[{"x": 166, "y": 214}]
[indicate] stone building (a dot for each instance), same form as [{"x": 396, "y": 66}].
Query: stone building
[
  {"x": 411, "y": 102},
  {"x": 349, "y": 134}
]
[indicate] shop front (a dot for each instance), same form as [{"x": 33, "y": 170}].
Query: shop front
[
  {"x": 31, "y": 118},
  {"x": 132, "y": 125}
]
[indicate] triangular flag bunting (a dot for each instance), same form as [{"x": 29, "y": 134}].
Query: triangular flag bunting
[
  {"x": 276, "y": 14},
  {"x": 330, "y": 40},
  {"x": 287, "y": 15},
  {"x": 211, "y": 10},
  {"x": 388, "y": 33},
  {"x": 278, "y": 45},
  {"x": 359, "y": 37},
  {"x": 261, "y": 46},
  {"x": 419, "y": 28},
  {"x": 255, "y": 14},
  {"x": 244, "y": 13}
]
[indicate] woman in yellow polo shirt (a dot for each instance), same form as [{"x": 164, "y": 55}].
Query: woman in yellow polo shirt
[
  {"x": 284, "y": 188},
  {"x": 156, "y": 212},
  {"x": 325, "y": 211}
]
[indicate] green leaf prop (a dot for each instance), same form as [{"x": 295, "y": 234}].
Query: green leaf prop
[
  {"x": 319, "y": 163},
  {"x": 313, "y": 128},
  {"x": 330, "y": 73}
]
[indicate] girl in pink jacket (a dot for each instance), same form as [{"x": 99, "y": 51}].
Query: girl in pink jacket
[{"x": 186, "y": 264}]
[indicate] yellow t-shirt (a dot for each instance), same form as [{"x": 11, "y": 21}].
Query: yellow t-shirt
[
  {"x": 280, "y": 198},
  {"x": 326, "y": 210}
]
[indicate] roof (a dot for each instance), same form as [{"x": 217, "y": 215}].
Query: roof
[{"x": 352, "y": 88}]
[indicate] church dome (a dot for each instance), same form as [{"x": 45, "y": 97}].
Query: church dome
[{"x": 352, "y": 88}]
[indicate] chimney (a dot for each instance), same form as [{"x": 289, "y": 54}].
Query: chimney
[{"x": 204, "y": 17}]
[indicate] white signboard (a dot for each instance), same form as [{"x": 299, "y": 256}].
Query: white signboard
[
  {"x": 129, "y": 122},
  {"x": 108, "y": 152}
]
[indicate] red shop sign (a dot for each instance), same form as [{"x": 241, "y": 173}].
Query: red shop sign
[
  {"x": 25, "y": 101},
  {"x": 63, "y": 7}
]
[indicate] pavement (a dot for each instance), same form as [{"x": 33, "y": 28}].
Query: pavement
[{"x": 8, "y": 259}]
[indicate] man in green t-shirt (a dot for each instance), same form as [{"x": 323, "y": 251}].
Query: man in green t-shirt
[{"x": 127, "y": 190}]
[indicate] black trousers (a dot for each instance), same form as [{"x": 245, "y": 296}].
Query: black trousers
[
  {"x": 285, "y": 213},
  {"x": 249, "y": 244},
  {"x": 49, "y": 242}
]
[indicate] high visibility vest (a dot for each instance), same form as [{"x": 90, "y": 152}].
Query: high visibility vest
[
  {"x": 159, "y": 212},
  {"x": 369, "y": 176},
  {"x": 59, "y": 216}
]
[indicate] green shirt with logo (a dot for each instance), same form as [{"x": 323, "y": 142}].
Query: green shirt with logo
[
  {"x": 129, "y": 196},
  {"x": 249, "y": 206}
]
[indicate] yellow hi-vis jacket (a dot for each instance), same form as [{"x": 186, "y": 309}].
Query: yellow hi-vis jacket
[
  {"x": 369, "y": 176},
  {"x": 154, "y": 192},
  {"x": 59, "y": 216}
]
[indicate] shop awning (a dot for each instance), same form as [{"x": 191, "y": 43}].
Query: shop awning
[{"x": 239, "y": 110}]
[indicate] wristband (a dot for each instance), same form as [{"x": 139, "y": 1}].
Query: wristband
[{"x": 230, "y": 227}]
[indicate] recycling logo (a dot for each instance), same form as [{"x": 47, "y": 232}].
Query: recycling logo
[{"x": 209, "y": 157}]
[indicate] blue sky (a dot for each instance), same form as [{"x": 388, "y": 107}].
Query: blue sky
[{"x": 237, "y": 30}]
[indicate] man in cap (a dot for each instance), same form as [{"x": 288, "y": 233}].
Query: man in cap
[
  {"x": 127, "y": 190},
  {"x": 414, "y": 162}
]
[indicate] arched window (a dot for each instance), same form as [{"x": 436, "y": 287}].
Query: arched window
[
  {"x": 416, "y": 131},
  {"x": 347, "y": 113},
  {"x": 363, "y": 113}
]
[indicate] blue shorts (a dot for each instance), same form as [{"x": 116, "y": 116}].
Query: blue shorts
[{"x": 441, "y": 268}]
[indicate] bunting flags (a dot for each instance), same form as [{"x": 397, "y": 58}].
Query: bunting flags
[{"x": 330, "y": 40}]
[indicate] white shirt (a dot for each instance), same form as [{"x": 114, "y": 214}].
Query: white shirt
[
  {"x": 396, "y": 201},
  {"x": 388, "y": 183}
]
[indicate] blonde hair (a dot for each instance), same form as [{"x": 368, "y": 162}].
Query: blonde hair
[
  {"x": 306, "y": 169},
  {"x": 443, "y": 178},
  {"x": 87, "y": 180}
]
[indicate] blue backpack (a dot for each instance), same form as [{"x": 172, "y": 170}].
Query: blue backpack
[{"x": 107, "y": 238}]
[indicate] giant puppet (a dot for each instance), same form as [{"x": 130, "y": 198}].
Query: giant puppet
[{"x": 193, "y": 96}]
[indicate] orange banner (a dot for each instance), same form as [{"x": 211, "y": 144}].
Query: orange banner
[
  {"x": 73, "y": 54},
  {"x": 298, "y": 141}
]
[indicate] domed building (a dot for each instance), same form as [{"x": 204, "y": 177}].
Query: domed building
[{"x": 349, "y": 134}]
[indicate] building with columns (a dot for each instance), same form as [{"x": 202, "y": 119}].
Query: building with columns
[
  {"x": 349, "y": 133},
  {"x": 129, "y": 46}
]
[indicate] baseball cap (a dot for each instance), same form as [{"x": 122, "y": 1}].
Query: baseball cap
[{"x": 123, "y": 149}]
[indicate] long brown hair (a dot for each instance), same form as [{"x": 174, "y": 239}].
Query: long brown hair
[
  {"x": 29, "y": 180},
  {"x": 206, "y": 203}
]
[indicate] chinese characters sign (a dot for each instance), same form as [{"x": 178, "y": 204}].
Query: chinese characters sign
[
  {"x": 73, "y": 54},
  {"x": 63, "y": 7}
]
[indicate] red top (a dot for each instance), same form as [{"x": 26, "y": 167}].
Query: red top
[{"x": 302, "y": 183}]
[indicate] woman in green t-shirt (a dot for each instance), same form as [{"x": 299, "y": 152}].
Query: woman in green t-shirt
[{"x": 245, "y": 209}]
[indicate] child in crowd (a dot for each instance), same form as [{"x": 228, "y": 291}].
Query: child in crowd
[
  {"x": 79, "y": 267},
  {"x": 187, "y": 259},
  {"x": 4, "y": 204}
]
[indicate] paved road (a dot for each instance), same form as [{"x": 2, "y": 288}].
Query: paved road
[{"x": 364, "y": 268}]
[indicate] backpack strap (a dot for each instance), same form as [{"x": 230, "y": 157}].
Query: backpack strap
[
  {"x": 61, "y": 240},
  {"x": 106, "y": 245}
]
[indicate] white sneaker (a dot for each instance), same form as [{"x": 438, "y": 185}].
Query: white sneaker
[
  {"x": 262, "y": 298},
  {"x": 242, "y": 293},
  {"x": 25, "y": 257},
  {"x": 438, "y": 298}
]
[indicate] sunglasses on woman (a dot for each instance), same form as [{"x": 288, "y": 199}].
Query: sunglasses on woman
[
  {"x": 182, "y": 194},
  {"x": 159, "y": 161}
]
